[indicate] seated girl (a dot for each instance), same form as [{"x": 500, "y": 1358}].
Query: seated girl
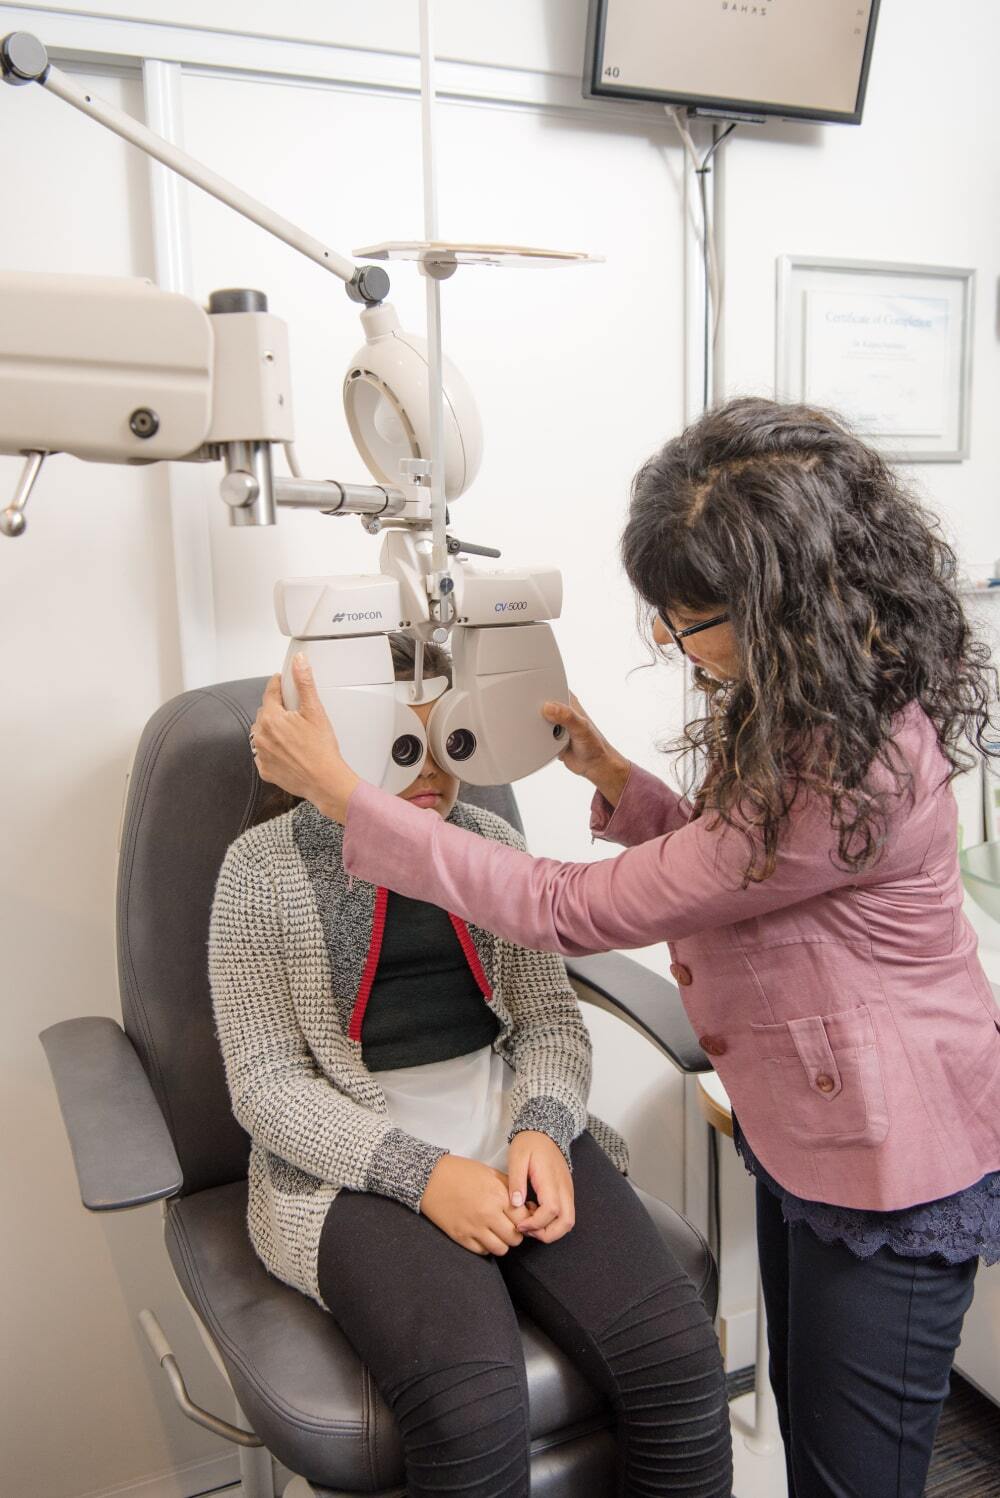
[{"x": 423, "y": 1163}]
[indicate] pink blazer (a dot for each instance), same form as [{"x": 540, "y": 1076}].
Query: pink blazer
[{"x": 847, "y": 1014}]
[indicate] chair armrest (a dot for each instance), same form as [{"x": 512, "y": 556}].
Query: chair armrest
[
  {"x": 644, "y": 1000},
  {"x": 122, "y": 1150}
]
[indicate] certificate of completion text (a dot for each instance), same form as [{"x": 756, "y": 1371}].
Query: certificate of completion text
[{"x": 880, "y": 360}]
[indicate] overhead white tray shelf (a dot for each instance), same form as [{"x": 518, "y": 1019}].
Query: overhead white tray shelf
[{"x": 451, "y": 252}]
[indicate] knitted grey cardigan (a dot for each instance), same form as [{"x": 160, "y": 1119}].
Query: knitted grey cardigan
[{"x": 293, "y": 948}]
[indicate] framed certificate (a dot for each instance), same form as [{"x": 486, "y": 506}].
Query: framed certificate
[{"x": 887, "y": 346}]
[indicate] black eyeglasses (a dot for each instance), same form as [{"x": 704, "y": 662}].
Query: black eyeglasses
[{"x": 677, "y": 635}]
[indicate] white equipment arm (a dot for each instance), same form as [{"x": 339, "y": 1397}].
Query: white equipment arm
[
  {"x": 122, "y": 372},
  {"x": 23, "y": 59}
]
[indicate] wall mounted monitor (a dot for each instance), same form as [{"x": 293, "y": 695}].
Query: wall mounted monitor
[{"x": 794, "y": 59}]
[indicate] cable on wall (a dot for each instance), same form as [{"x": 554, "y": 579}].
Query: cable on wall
[
  {"x": 709, "y": 248},
  {"x": 713, "y": 300}
]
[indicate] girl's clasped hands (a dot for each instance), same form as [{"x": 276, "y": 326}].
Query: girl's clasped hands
[{"x": 488, "y": 1212}]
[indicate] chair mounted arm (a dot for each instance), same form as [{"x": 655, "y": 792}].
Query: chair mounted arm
[
  {"x": 122, "y": 1149},
  {"x": 644, "y": 1000},
  {"x": 163, "y": 1353}
]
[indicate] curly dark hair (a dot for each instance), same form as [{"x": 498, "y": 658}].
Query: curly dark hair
[{"x": 842, "y": 594}]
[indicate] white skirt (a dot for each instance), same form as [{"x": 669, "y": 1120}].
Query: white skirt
[{"x": 462, "y": 1105}]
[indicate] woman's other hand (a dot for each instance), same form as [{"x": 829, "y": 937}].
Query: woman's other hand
[
  {"x": 471, "y": 1203},
  {"x": 588, "y": 753},
  {"x": 536, "y": 1161},
  {"x": 299, "y": 750}
]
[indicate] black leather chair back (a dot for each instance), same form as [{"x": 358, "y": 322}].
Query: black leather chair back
[{"x": 193, "y": 789}]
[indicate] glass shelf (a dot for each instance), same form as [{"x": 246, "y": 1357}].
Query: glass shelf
[{"x": 454, "y": 252}]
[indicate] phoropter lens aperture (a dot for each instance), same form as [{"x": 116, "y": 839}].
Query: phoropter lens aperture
[
  {"x": 461, "y": 744},
  {"x": 407, "y": 749}
]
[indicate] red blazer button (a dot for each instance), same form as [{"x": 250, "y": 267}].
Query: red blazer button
[
  {"x": 713, "y": 1045},
  {"x": 681, "y": 974},
  {"x": 823, "y": 1082}
]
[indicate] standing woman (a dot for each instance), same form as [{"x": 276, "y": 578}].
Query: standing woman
[{"x": 810, "y": 895}]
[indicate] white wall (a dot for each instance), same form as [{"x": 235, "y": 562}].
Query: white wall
[
  {"x": 579, "y": 374},
  {"x": 917, "y": 183},
  {"x": 88, "y": 644}
]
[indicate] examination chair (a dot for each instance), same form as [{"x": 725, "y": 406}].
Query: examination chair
[{"x": 148, "y": 1117}]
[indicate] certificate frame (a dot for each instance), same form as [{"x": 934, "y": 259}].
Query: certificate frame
[{"x": 888, "y": 345}]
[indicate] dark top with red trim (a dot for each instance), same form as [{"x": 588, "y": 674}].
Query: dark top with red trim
[{"x": 426, "y": 1002}]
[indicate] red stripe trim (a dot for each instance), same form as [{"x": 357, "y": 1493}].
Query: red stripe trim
[
  {"x": 371, "y": 964},
  {"x": 472, "y": 957}
]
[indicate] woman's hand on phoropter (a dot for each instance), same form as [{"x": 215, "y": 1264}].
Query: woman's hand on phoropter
[
  {"x": 299, "y": 750},
  {"x": 471, "y": 1203},
  {"x": 536, "y": 1161},
  {"x": 588, "y": 752}
]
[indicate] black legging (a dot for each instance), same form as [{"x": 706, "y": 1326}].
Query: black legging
[
  {"x": 436, "y": 1326},
  {"x": 861, "y": 1350}
]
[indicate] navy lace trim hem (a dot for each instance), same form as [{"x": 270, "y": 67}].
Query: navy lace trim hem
[{"x": 956, "y": 1228}]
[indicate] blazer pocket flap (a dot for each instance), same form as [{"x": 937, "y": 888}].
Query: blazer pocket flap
[
  {"x": 824, "y": 1077},
  {"x": 816, "y": 1041},
  {"x": 816, "y": 1054}
]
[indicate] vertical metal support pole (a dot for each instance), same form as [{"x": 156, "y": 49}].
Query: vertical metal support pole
[
  {"x": 256, "y": 1467},
  {"x": 696, "y": 1132},
  {"x": 693, "y": 293},
  {"x": 439, "y": 555},
  {"x": 427, "y": 106},
  {"x": 718, "y": 211},
  {"x": 189, "y": 495},
  {"x": 766, "y": 1434}
]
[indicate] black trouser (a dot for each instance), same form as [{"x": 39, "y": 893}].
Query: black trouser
[
  {"x": 861, "y": 1350},
  {"x": 436, "y": 1326}
]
